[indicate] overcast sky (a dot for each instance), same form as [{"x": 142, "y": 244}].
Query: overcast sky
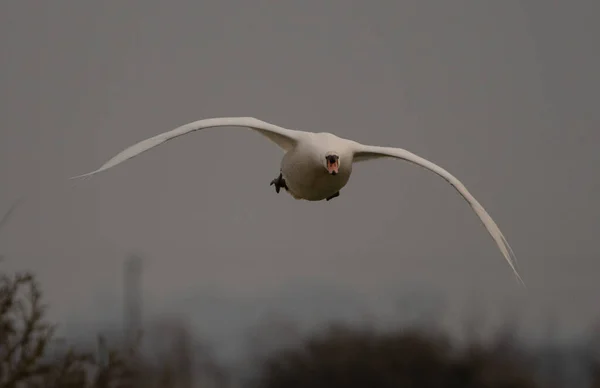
[{"x": 502, "y": 94}]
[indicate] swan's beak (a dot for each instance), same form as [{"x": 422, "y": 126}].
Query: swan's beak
[{"x": 333, "y": 165}]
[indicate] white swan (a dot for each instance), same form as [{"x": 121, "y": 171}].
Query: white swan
[{"x": 316, "y": 166}]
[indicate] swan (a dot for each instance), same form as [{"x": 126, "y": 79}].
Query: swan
[{"x": 316, "y": 166}]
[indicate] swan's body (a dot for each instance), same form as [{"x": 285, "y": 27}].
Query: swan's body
[
  {"x": 316, "y": 166},
  {"x": 302, "y": 167}
]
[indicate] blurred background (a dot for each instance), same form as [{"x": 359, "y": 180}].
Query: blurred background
[{"x": 188, "y": 244}]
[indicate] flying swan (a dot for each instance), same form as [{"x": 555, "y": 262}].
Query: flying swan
[{"x": 316, "y": 166}]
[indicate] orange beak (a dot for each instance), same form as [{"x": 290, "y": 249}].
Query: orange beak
[{"x": 332, "y": 167}]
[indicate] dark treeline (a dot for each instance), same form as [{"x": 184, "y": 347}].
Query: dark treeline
[{"x": 338, "y": 356}]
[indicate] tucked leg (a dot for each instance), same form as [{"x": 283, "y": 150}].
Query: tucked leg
[
  {"x": 279, "y": 182},
  {"x": 333, "y": 196}
]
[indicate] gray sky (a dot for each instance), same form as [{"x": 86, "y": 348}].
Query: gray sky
[{"x": 502, "y": 94}]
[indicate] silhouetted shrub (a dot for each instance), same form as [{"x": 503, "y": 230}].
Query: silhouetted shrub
[
  {"x": 489, "y": 367},
  {"x": 594, "y": 363},
  {"x": 344, "y": 357}
]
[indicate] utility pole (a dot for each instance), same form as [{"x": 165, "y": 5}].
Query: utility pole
[{"x": 132, "y": 298}]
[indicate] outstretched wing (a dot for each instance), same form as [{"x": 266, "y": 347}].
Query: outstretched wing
[
  {"x": 366, "y": 152},
  {"x": 283, "y": 137}
]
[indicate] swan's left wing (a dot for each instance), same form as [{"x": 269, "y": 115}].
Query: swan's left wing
[
  {"x": 283, "y": 137},
  {"x": 366, "y": 152}
]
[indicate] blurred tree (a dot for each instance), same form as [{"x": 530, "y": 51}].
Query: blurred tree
[
  {"x": 25, "y": 336},
  {"x": 25, "y": 339}
]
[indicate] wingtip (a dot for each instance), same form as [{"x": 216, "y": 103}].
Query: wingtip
[
  {"x": 89, "y": 174},
  {"x": 515, "y": 268},
  {"x": 521, "y": 280}
]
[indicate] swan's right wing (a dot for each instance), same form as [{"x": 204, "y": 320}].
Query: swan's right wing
[
  {"x": 366, "y": 152},
  {"x": 283, "y": 137}
]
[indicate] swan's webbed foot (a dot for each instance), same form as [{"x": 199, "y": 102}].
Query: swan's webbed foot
[
  {"x": 333, "y": 196},
  {"x": 279, "y": 182}
]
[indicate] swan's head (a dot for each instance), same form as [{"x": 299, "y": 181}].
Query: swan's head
[{"x": 332, "y": 163}]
